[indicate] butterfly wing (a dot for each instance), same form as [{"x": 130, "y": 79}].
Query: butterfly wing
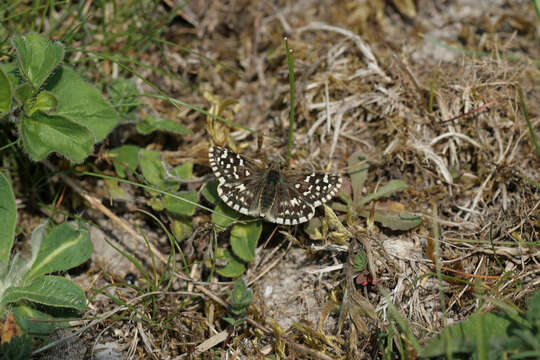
[
  {"x": 289, "y": 207},
  {"x": 239, "y": 180},
  {"x": 316, "y": 188},
  {"x": 242, "y": 196},
  {"x": 299, "y": 195},
  {"x": 230, "y": 167}
]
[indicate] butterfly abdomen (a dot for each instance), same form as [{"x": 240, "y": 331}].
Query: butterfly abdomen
[{"x": 268, "y": 193}]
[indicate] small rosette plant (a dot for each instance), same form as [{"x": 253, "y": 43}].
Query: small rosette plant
[{"x": 36, "y": 300}]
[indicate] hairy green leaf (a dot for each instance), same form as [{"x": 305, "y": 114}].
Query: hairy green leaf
[
  {"x": 8, "y": 219},
  {"x": 64, "y": 248},
  {"x": 37, "y": 57},
  {"x": 43, "y": 134}
]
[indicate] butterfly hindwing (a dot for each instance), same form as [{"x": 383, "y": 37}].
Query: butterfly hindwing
[
  {"x": 289, "y": 208},
  {"x": 316, "y": 188},
  {"x": 241, "y": 196}
]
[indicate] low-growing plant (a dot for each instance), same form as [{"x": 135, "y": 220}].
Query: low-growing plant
[
  {"x": 240, "y": 299},
  {"x": 37, "y": 300},
  {"x": 52, "y": 107},
  {"x": 494, "y": 335}
]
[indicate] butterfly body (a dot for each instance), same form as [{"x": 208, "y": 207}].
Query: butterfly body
[
  {"x": 282, "y": 197},
  {"x": 266, "y": 199}
]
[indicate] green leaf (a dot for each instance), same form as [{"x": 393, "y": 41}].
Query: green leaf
[
  {"x": 184, "y": 171},
  {"x": 82, "y": 103},
  {"x": 5, "y": 93},
  {"x": 123, "y": 95},
  {"x": 244, "y": 238},
  {"x": 360, "y": 261},
  {"x": 126, "y": 156},
  {"x": 182, "y": 228},
  {"x": 151, "y": 168},
  {"x": 33, "y": 321},
  {"x": 180, "y": 207},
  {"x": 209, "y": 192},
  {"x": 222, "y": 221},
  {"x": 533, "y": 314},
  {"x": 358, "y": 172},
  {"x": 240, "y": 297},
  {"x": 54, "y": 291},
  {"x": 230, "y": 320},
  {"x": 152, "y": 123},
  {"x": 24, "y": 93},
  {"x": 37, "y": 57},
  {"x": 116, "y": 192},
  {"x": 12, "y": 71},
  {"x": 64, "y": 248},
  {"x": 155, "y": 203},
  {"x": 233, "y": 268},
  {"x": 392, "y": 187},
  {"x": 395, "y": 221},
  {"x": 8, "y": 220},
  {"x": 43, "y": 134},
  {"x": 45, "y": 101},
  {"x": 463, "y": 337}
]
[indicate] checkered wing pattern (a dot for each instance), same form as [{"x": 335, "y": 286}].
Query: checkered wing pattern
[
  {"x": 289, "y": 207},
  {"x": 299, "y": 195},
  {"x": 239, "y": 179},
  {"x": 316, "y": 188},
  {"x": 242, "y": 196},
  {"x": 281, "y": 197},
  {"x": 230, "y": 167}
]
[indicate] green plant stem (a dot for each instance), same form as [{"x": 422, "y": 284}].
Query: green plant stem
[
  {"x": 290, "y": 62},
  {"x": 536, "y": 8},
  {"x": 8, "y": 145},
  {"x": 528, "y": 120}
]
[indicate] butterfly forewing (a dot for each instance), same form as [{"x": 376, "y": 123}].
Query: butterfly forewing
[
  {"x": 239, "y": 179},
  {"x": 230, "y": 167}
]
